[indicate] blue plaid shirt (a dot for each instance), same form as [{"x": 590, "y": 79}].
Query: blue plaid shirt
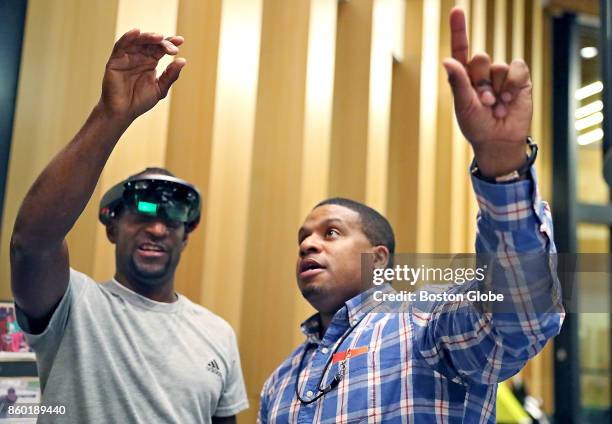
[{"x": 432, "y": 364}]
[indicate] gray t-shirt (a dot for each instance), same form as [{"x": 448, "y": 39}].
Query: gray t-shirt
[{"x": 110, "y": 355}]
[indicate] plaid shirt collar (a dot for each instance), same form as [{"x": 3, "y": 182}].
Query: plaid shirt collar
[{"x": 349, "y": 315}]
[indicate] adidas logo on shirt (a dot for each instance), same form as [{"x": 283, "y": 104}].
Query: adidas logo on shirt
[{"x": 214, "y": 367}]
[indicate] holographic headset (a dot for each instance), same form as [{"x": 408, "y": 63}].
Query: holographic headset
[{"x": 154, "y": 195}]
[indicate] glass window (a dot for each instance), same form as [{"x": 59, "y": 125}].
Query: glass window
[{"x": 591, "y": 187}]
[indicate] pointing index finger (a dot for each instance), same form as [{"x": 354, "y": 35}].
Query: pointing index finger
[{"x": 459, "y": 40}]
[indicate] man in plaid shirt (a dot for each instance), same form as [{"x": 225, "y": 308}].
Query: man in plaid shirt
[{"x": 438, "y": 362}]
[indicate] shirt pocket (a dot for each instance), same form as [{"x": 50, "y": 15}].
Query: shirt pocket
[{"x": 386, "y": 372}]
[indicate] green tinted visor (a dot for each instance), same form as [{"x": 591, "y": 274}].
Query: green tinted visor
[
  {"x": 172, "y": 210},
  {"x": 164, "y": 199}
]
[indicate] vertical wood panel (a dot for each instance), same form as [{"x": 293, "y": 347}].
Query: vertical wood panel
[
  {"x": 478, "y": 26},
  {"x": 427, "y": 128},
  {"x": 317, "y": 120},
  {"x": 318, "y": 102},
  {"x": 498, "y": 54},
  {"x": 510, "y": 27},
  {"x": 445, "y": 148},
  {"x": 190, "y": 131},
  {"x": 489, "y": 25},
  {"x": 541, "y": 76},
  {"x": 274, "y": 203},
  {"x": 351, "y": 100},
  {"x": 543, "y": 109},
  {"x": 404, "y": 133},
  {"x": 231, "y": 157},
  {"x": 529, "y": 10},
  {"x": 384, "y": 30},
  {"x": 518, "y": 29}
]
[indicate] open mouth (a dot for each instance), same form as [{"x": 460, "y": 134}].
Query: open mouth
[
  {"x": 151, "y": 250},
  {"x": 309, "y": 268}
]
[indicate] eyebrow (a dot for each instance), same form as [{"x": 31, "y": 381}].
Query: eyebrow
[{"x": 325, "y": 223}]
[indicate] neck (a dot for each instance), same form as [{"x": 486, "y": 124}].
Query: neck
[
  {"x": 325, "y": 320},
  {"x": 163, "y": 292}
]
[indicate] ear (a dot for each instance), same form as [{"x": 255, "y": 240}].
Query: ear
[
  {"x": 111, "y": 231},
  {"x": 185, "y": 238},
  {"x": 381, "y": 256}
]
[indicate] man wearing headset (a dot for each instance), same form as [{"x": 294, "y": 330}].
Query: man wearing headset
[
  {"x": 130, "y": 350},
  {"x": 363, "y": 361}
]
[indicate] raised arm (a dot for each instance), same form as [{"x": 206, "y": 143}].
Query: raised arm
[
  {"x": 39, "y": 254},
  {"x": 460, "y": 340}
]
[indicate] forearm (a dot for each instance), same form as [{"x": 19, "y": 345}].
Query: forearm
[
  {"x": 515, "y": 244},
  {"x": 515, "y": 236},
  {"x": 507, "y": 209},
  {"x": 62, "y": 190}
]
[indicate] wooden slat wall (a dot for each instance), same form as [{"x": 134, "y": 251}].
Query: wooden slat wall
[{"x": 279, "y": 107}]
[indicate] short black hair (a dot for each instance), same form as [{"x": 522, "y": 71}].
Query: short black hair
[{"x": 375, "y": 226}]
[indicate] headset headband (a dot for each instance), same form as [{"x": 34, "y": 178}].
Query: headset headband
[{"x": 117, "y": 195}]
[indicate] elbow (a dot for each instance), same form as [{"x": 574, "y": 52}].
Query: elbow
[
  {"x": 23, "y": 245},
  {"x": 20, "y": 242},
  {"x": 25, "y": 238},
  {"x": 17, "y": 246}
]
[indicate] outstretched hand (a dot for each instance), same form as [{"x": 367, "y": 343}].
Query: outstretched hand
[
  {"x": 130, "y": 86},
  {"x": 492, "y": 103}
]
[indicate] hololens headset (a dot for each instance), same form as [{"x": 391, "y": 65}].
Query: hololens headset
[{"x": 155, "y": 195}]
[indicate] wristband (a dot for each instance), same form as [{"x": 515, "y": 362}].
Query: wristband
[{"x": 514, "y": 175}]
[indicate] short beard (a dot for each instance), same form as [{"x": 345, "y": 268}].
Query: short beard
[{"x": 149, "y": 279}]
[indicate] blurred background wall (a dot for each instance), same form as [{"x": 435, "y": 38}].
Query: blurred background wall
[{"x": 281, "y": 104}]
